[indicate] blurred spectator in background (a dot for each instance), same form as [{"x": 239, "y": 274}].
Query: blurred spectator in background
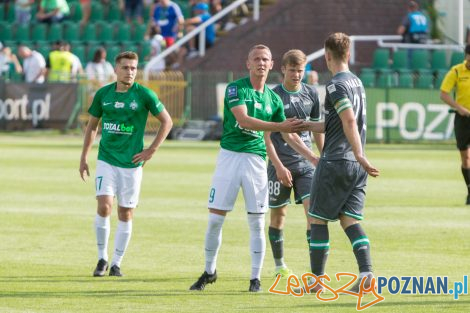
[
  {"x": 415, "y": 26},
  {"x": 158, "y": 44},
  {"x": 77, "y": 67},
  {"x": 201, "y": 11},
  {"x": 86, "y": 11},
  {"x": 133, "y": 10},
  {"x": 312, "y": 78},
  {"x": 34, "y": 65},
  {"x": 53, "y": 11},
  {"x": 99, "y": 69},
  {"x": 59, "y": 63},
  {"x": 167, "y": 19},
  {"x": 8, "y": 62},
  {"x": 23, "y": 11}
]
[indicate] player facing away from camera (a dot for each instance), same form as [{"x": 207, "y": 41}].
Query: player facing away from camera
[
  {"x": 123, "y": 108},
  {"x": 250, "y": 108},
  {"x": 339, "y": 182},
  {"x": 287, "y": 169}
]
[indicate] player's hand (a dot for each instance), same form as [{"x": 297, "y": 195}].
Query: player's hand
[
  {"x": 370, "y": 169},
  {"x": 284, "y": 176},
  {"x": 84, "y": 169},
  {"x": 463, "y": 111},
  {"x": 291, "y": 125},
  {"x": 314, "y": 160},
  {"x": 143, "y": 156}
]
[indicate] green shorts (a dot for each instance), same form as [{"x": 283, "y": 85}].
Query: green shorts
[{"x": 338, "y": 187}]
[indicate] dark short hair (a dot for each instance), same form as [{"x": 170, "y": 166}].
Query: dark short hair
[
  {"x": 338, "y": 44},
  {"x": 467, "y": 49}
]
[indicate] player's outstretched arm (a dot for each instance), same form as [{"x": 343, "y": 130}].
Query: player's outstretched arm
[
  {"x": 90, "y": 135},
  {"x": 165, "y": 126},
  {"x": 315, "y": 127},
  {"x": 352, "y": 134},
  {"x": 248, "y": 122}
]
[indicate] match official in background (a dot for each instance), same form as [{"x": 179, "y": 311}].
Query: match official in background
[
  {"x": 340, "y": 179},
  {"x": 458, "y": 79},
  {"x": 250, "y": 108},
  {"x": 123, "y": 108}
]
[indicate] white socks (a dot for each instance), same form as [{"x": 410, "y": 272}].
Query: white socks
[
  {"x": 213, "y": 241},
  {"x": 102, "y": 229},
  {"x": 123, "y": 236},
  {"x": 257, "y": 244}
]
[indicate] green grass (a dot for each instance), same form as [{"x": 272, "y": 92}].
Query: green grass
[{"x": 415, "y": 219}]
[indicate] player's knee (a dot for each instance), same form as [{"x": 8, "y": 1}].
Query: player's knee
[
  {"x": 256, "y": 222},
  {"x": 277, "y": 221}
]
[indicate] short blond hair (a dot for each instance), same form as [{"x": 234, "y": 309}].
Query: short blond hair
[{"x": 259, "y": 47}]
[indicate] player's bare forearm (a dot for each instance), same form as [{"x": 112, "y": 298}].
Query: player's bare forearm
[
  {"x": 89, "y": 138},
  {"x": 447, "y": 98},
  {"x": 315, "y": 127},
  {"x": 299, "y": 146},
  {"x": 319, "y": 141},
  {"x": 352, "y": 134},
  {"x": 283, "y": 174},
  {"x": 165, "y": 126},
  {"x": 251, "y": 123}
]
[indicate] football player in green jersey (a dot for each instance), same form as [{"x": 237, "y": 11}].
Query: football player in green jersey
[
  {"x": 250, "y": 108},
  {"x": 123, "y": 108}
]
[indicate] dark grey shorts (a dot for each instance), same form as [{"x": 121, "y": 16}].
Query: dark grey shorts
[
  {"x": 339, "y": 187},
  {"x": 279, "y": 195}
]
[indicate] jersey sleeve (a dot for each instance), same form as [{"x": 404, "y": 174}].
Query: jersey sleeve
[
  {"x": 234, "y": 95},
  {"x": 339, "y": 97},
  {"x": 96, "y": 108},
  {"x": 315, "y": 113},
  {"x": 153, "y": 104},
  {"x": 449, "y": 80}
]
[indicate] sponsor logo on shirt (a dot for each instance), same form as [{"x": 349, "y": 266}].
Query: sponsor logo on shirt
[
  {"x": 331, "y": 88},
  {"x": 248, "y": 132},
  {"x": 122, "y": 128},
  {"x": 134, "y": 105},
  {"x": 118, "y": 105},
  {"x": 258, "y": 105},
  {"x": 232, "y": 91},
  {"x": 107, "y": 103}
]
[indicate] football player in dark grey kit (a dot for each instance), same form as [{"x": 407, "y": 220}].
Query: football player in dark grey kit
[
  {"x": 339, "y": 182},
  {"x": 287, "y": 168}
]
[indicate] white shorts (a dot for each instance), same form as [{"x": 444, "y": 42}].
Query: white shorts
[
  {"x": 235, "y": 170},
  {"x": 124, "y": 183}
]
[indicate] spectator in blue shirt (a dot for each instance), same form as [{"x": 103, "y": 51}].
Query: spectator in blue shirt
[
  {"x": 201, "y": 14},
  {"x": 167, "y": 18},
  {"x": 415, "y": 26}
]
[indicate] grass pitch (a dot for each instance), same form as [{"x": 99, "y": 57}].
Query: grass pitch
[{"x": 415, "y": 219}]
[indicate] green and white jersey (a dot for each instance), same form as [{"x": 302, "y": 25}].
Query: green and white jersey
[
  {"x": 123, "y": 119},
  {"x": 265, "y": 106}
]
